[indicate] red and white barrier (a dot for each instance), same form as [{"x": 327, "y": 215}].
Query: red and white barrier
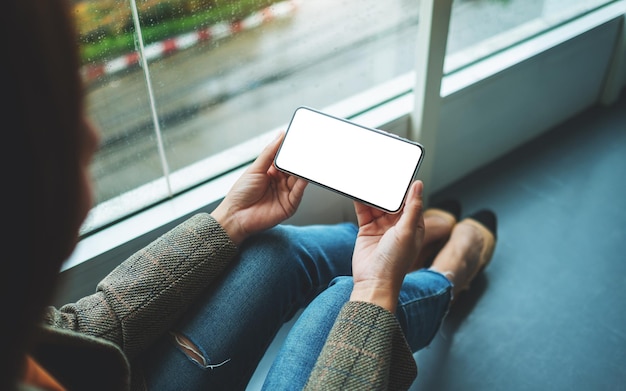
[{"x": 168, "y": 46}]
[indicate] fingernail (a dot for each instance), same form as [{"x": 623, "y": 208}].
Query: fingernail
[{"x": 420, "y": 187}]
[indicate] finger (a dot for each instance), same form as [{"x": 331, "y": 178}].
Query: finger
[
  {"x": 412, "y": 213},
  {"x": 264, "y": 161},
  {"x": 299, "y": 185},
  {"x": 365, "y": 214},
  {"x": 297, "y": 191},
  {"x": 283, "y": 177},
  {"x": 361, "y": 211}
]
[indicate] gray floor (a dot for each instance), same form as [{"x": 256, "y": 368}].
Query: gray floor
[{"x": 549, "y": 312}]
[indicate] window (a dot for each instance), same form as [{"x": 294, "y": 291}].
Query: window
[
  {"x": 489, "y": 105},
  {"x": 234, "y": 70},
  {"x": 185, "y": 90},
  {"x": 481, "y": 28}
]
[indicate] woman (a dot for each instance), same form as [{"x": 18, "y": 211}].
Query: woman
[{"x": 198, "y": 307}]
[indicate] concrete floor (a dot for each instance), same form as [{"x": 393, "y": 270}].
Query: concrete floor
[{"x": 549, "y": 312}]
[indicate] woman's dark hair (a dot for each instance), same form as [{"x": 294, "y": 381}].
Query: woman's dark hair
[{"x": 42, "y": 111}]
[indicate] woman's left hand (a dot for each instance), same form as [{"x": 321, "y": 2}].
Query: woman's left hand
[{"x": 261, "y": 198}]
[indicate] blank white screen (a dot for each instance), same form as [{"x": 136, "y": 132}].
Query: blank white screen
[{"x": 368, "y": 165}]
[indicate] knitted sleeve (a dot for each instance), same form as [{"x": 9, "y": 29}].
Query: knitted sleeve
[
  {"x": 365, "y": 350},
  {"x": 144, "y": 295}
]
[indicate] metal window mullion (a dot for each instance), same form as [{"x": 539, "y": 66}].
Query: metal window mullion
[{"x": 153, "y": 110}]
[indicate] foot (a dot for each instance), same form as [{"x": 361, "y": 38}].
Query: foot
[
  {"x": 467, "y": 252},
  {"x": 438, "y": 227}
]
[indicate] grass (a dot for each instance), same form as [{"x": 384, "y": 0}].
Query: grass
[{"x": 107, "y": 45}]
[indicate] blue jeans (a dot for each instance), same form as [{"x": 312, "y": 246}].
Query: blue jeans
[
  {"x": 423, "y": 303},
  {"x": 277, "y": 273}
]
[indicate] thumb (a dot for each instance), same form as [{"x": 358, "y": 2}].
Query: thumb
[{"x": 412, "y": 212}]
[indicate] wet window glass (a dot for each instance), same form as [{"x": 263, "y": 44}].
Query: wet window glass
[
  {"x": 479, "y": 28},
  {"x": 171, "y": 83}
]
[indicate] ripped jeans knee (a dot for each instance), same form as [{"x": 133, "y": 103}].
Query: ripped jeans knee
[{"x": 194, "y": 352}]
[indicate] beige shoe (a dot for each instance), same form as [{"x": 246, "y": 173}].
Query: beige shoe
[
  {"x": 448, "y": 209},
  {"x": 485, "y": 222},
  {"x": 448, "y": 212}
]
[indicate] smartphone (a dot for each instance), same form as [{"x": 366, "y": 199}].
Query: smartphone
[{"x": 365, "y": 164}]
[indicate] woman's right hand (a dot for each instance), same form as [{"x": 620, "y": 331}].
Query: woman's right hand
[{"x": 385, "y": 249}]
